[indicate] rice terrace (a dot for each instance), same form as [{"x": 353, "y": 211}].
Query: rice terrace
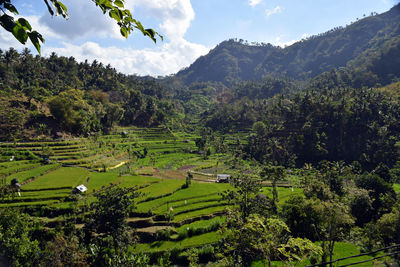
[
  {"x": 167, "y": 218},
  {"x": 182, "y": 145},
  {"x": 167, "y": 215}
]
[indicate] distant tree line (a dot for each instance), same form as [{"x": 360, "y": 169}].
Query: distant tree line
[{"x": 311, "y": 126}]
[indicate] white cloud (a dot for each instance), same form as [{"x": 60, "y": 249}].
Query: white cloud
[
  {"x": 279, "y": 42},
  {"x": 167, "y": 59},
  {"x": 253, "y": 3},
  {"x": 85, "y": 20},
  {"x": 176, "y": 15},
  {"x": 273, "y": 11},
  {"x": 8, "y": 40}
]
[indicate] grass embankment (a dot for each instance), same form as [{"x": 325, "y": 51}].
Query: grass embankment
[
  {"x": 68, "y": 177},
  {"x": 190, "y": 195},
  {"x": 32, "y": 173},
  {"x": 8, "y": 168},
  {"x": 283, "y": 193},
  {"x": 161, "y": 189},
  {"x": 194, "y": 241},
  {"x": 168, "y": 160}
]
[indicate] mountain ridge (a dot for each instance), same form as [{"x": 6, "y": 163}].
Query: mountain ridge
[{"x": 234, "y": 60}]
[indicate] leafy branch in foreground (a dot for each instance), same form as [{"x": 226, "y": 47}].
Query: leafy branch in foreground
[{"x": 22, "y": 30}]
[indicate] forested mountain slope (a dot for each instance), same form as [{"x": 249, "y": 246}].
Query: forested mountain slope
[
  {"x": 234, "y": 60},
  {"x": 43, "y": 96}
]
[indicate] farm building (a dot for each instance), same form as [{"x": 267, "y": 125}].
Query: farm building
[
  {"x": 79, "y": 189},
  {"x": 46, "y": 160},
  {"x": 223, "y": 178}
]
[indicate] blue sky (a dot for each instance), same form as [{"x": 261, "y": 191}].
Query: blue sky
[{"x": 190, "y": 27}]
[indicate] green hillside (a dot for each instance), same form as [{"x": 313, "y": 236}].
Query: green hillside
[{"x": 235, "y": 60}]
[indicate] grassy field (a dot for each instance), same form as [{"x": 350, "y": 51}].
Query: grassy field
[
  {"x": 283, "y": 193},
  {"x": 202, "y": 224},
  {"x": 195, "y": 241},
  {"x": 68, "y": 177},
  {"x": 16, "y": 167},
  {"x": 169, "y": 160},
  {"x": 198, "y": 213},
  {"x": 157, "y": 190},
  {"x": 23, "y": 176},
  {"x": 191, "y": 194}
]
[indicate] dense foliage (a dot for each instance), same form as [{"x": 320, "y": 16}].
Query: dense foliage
[
  {"x": 307, "y": 127},
  {"x": 46, "y": 95}
]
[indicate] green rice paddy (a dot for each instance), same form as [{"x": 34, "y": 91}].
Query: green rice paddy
[{"x": 159, "y": 177}]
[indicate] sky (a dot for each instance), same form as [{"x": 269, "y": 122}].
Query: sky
[{"x": 190, "y": 28}]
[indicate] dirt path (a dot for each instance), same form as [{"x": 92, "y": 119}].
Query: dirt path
[
  {"x": 168, "y": 174},
  {"x": 187, "y": 168},
  {"x": 152, "y": 229},
  {"x": 180, "y": 173},
  {"x": 118, "y": 165}
]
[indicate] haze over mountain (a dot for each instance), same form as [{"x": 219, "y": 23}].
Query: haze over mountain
[{"x": 355, "y": 46}]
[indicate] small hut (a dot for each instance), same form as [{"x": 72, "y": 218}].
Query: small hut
[
  {"x": 223, "y": 178},
  {"x": 79, "y": 189},
  {"x": 45, "y": 159}
]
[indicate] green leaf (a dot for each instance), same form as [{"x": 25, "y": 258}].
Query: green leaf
[
  {"x": 49, "y": 8},
  {"x": 150, "y": 32},
  {"x": 119, "y": 3},
  {"x": 10, "y": 8},
  {"x": 61, "y": 9},
  {"x": 115, "y": 15},
  {"x": 20, "y": 34},
  {"x": 107, "y": 5},
  {"x": 7, "y": 22},
  {"x": 35, "y": 38},
  {"x": 139, "y": 26},
  {"x": 124, "y": 32},
  {"x": 100, "y": 2},
  {"x": 25, "y": 24}
]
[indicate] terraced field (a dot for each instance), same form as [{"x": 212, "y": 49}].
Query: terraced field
[
  {"x": 155, "y": 161},
  {"x": 108, "y": 151}
]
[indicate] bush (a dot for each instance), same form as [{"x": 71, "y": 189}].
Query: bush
[
  {"x": 15, "y": 239},
  {"x": 206, "y": 254},
  {"x": 163, "y": 234},
  {"x": 192, "y": 231}
]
